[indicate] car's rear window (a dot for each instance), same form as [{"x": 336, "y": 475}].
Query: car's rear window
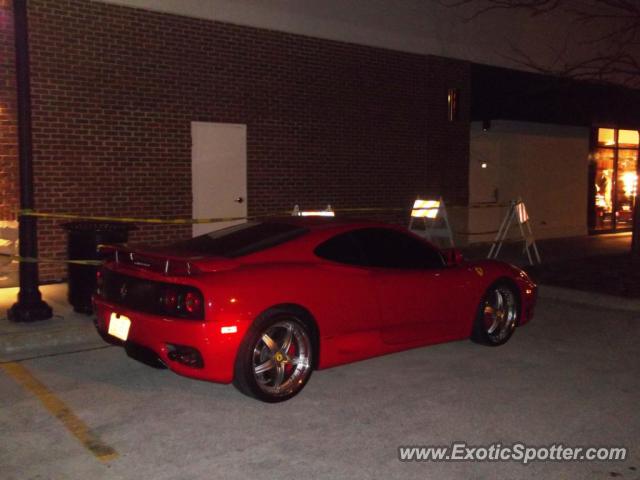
[{"x": 241, "y": 239}]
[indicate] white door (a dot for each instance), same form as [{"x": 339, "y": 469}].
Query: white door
[{"x": 219, "y": 173}]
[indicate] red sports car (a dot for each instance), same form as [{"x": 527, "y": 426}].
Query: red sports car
[{"x": 264, "y": 303}]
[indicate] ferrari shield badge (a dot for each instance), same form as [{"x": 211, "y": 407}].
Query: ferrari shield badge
[{"x": 479, "y": 271}]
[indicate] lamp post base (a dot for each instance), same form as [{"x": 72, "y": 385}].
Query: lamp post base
[{"x": 29, "y": 311}]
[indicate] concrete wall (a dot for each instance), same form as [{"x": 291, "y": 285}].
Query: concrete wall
[
  {"x": 544, "y": 164},
  {"x": 419, "y": 26}
]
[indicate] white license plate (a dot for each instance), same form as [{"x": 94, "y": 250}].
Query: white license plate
[{"x": 119, "y": 326}]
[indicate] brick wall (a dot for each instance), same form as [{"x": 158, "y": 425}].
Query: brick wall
[
  {"x": 447, "y": 156},
  {"x": 9, "y": 199},
  {"x": 115, "y": 89}
]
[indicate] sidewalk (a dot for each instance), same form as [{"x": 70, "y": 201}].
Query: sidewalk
[
  {"x": 557, "y": 250},
  {"x": 598, "y": 264},
  {"x": 67, "y": 331}
]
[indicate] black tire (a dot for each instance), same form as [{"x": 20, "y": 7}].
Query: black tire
[
  {"x": 276, "y": 357},
  {"x": 498, "y": 315}
]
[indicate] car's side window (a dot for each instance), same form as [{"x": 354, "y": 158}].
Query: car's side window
[
  {"x": 387, "y": 248},
  {"x": 342, "y": 249}
]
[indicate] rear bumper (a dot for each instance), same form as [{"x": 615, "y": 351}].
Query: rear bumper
[{"x": 157, "y": 333}]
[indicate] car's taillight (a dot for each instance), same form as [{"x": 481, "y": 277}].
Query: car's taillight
[
  {"x": 183, "y": 302},
  {"x": 99, "y": 281},
  {"x": 170, "y": 300},
  {"x": 192, "y": 302}
]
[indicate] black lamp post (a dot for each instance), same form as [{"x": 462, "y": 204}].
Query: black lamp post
[{"x": 30, "y": 306}]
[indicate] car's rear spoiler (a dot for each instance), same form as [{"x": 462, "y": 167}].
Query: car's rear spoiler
[
  {"x": 143, "y": 260},
  {"x": 159, "y": 261}
]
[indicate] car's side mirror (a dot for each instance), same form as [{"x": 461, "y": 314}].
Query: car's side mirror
[{"x": 452, "y": 256}]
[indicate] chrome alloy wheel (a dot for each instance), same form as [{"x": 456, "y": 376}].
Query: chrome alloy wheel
[
  {"x": 500, "y": 313},
  {"x": 281, "y": 358}
]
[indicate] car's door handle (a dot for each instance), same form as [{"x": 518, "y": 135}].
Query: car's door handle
[{"x": 238, "y": 199}]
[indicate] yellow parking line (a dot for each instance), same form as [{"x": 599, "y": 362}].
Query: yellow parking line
[{"x": 60, "y": 410}]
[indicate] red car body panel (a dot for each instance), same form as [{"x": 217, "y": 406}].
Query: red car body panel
[{"x": 360, "y": 312}]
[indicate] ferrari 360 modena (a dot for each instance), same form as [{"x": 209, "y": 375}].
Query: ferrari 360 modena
[{"x": 264, "y": 303}]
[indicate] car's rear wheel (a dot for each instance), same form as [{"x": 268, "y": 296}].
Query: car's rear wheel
[
  {"x": 276, "y": 357},
  {"x": 498, "y": 315}
]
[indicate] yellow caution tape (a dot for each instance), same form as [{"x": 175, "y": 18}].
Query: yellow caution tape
[
  {"x": 475, "y": 233},
  {"x": 192, "y": 221},
  {"x": 483, "y": 205},
  {"x": 18, "y": 258},
  {"x": 177, "y": 221},
  {"x": 184, "y": 221}
]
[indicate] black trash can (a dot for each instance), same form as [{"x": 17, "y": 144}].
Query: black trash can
[{"x": 83, "y": 240}]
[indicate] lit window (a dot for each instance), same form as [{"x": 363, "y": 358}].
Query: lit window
[
  {"x": 629, "y": 184},
  {"x": 628, "y": 138},
  {"x": 606, "y": 137}
]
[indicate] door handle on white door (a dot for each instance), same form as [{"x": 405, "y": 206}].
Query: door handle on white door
[{"x": 238, "y": 199}]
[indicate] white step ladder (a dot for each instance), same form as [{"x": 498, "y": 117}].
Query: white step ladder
[
  {"x": 517, "y": 212},
  {"x": 435, "y": 221}
]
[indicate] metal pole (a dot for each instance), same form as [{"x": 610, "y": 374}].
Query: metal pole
[{"x": 30, "y": 306}]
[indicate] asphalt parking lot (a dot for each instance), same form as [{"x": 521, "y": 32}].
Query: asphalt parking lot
[{"x": 571, "y": 377}]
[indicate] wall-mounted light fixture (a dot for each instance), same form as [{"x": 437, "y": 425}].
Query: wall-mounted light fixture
[{"x": 452, "y": 104}]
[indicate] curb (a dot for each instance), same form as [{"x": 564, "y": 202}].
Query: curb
[
  {"x": 35, "y": 340},
  {"x": 589, "y": 298},
  {"x": 66, "y": 331}
]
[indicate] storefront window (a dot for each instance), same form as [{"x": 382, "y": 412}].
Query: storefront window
[
  {"x": 604, "y": 163},
  {"x": 628, "y": 138},
  {"x": 606, "y": 137},
  {"x": 614, "y": 173}
]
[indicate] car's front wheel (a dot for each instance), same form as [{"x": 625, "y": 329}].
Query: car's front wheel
[
  {"x": 498, "y": 315},
  {"x": 276, "y": 357}
]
